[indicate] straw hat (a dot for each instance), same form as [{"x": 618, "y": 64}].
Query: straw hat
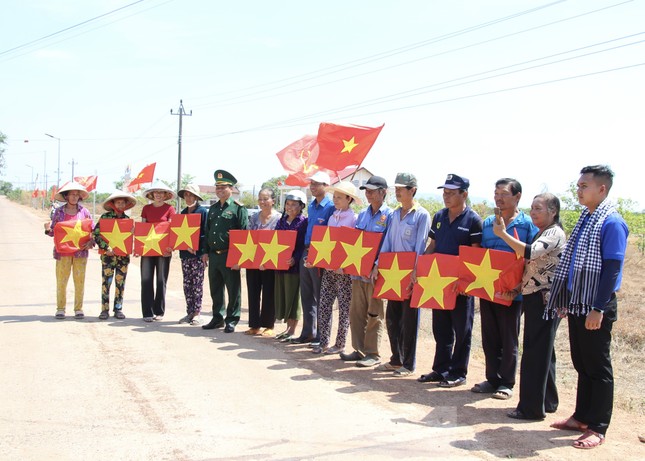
[
  {"x": 129, "y": 198},
  {"x": 347, "y": 188},
  {"x": 159, "y": 187},
  {"x": 193, "y": 189},
  {"x": 70, "y": 186}
]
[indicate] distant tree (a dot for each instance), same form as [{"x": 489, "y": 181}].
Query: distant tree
[
  {"x": 3, "y": 139},
  {"x": 5, "y": 188},
  {"x": 248, "y": 200},
  {"x": 274, "y": 184}
]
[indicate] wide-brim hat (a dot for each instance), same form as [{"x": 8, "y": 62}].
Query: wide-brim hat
[
  {"x": 347, "y": 188},
  {"x": 159, "y": 187},
  {"x": 129, "y": 198},
  {"x": 193, "y": 189},
  {"x": 70, "y": 186}
]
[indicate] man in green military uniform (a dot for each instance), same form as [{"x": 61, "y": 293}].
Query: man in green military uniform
[{"x": 223, "y": 216}]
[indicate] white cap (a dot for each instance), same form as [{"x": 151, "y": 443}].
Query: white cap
[
  {"x": 321, "y": 177},
  {"x": 297, "y": 195}
]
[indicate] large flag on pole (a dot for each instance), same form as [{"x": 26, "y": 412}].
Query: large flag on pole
[
  {"x": 344, "y": 146},
  {"x": 146, "y": 175},
  {"x": 89, "y": 182}
]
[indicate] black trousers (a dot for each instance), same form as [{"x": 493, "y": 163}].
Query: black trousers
[
  {"x": 453, "y": 332},
  {"x": 500, "y": 341},
  {"x": 260, "y": 289},
  {"x": 402, "y": 328},
  {"x": 538, "y": 391},
  {"x": 590, "y": 354},
  {"x": 154, "y": 269}
]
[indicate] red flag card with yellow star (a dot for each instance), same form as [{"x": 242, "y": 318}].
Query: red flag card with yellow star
[
  {"x": 485, "y": 273},
  {"x": 184, "y": 231},
  {"x": 275, "y": 248},
  {"x": 322, "y": 246},
  {"x": 359, "y": 249},
  {"x": 394, "y": 275},
  {"x": 70, "y": 236},
  {"x": 151, "y": 239},
  {"x": 242, "y": 249},
  {"x": 342, "y": 146},
  {"x": 118, "y": 234},
  {"x": 437, "y": 280}
]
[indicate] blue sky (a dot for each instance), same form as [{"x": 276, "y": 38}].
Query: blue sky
[{"x": 527, "y": 89}]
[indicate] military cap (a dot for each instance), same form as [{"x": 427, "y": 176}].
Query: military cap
[{"x": 224, "y": 178}]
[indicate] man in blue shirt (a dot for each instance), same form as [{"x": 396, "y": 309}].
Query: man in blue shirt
[
  {"x": 501, "y": 324},
  {"x": 585, "y": 285},
  {"x": 457, "y": 224},
  {"x": 407, "y": 232},
  {"x": 318, "y": 213},
  {"x": 366, "y": 314}
]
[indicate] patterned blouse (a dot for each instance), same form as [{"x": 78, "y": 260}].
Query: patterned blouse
[{"x": 542, "y": 257}]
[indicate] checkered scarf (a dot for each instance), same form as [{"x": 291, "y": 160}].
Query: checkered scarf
[{"x": 586, "y": 266}]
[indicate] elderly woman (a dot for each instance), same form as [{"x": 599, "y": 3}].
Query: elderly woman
[
  {"x": 287, "y": 282},
  {"x": 334, "y": 283},
  {"x": 113, "y": 266},
  {"x": 192, "y": 265},
  {"x": 260, "y": 282},
  {"x": 72, "y": 194},
  {"x": 153, "y": 305},
  {"x": 538, "y": 392}
]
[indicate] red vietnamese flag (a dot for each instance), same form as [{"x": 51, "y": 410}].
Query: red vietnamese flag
[
  {"x": 437, "y": 279},
  {"x": 344, "y": 146},
  {"x": 485, "y": 273},
  {"x": 151, "y": 239},
  {"x": 184, "y": 231},
  {"x": 118, "y": 234},
  {"x": 242, "y": 249},
  {"x": 394, "y": 275},
  {"x": 299, "y": 160},
  {"x": 359, "y": 249},
  {"x": 89, "y": 182},
  {"x": 70, "y": 236},
  {"x": 275, "y": 248},
  {"x": 35, "y": 193},
  {"x": 322, "y": 247},
  {"x": 146, "y": 175}
]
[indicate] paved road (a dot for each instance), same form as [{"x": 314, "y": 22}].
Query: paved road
[{"x": 121, "y": 390}]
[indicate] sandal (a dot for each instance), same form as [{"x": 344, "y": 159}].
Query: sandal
[
  {"x": 252, "y": 331},
  {"x": 503, "y": 393},
  {"x": 119, "y": 315},
  {"x": 570, "y": 424},
  {"x": 104, "y": 315},
  {"x": 483, "y": 388},
  {"x": 268, "y": 332},
  {"x": 589, "y": 440}
]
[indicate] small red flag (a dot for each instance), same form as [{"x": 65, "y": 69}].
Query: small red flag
[
  {"x": 89, "y": 182},
  {"x": 437, "y": 278},
  {"x": 486, "y": 273},
  {"x": 35, "y": 193},
  {"x": 344, "y": 146},
  {"x": 70, "y": 236},
  {"x": 184, "y": 231},
  {"x": 394, "y": 275},
  {"x": 151, "y": 239},
  {"x": 146, "y": 175}
]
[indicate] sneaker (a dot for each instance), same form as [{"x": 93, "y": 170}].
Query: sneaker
[
  {"x": 387, "y": 366},
  {"x": 104, "y": 315},
  {"x": 197, "y": 320},
  {"x": 148, "y": 319},
  {"x": 60, "y": 315},
  {"x": 79, "y": 315},
  {"x": 368, "y": 361},
  {"x": 186, "y": 319},
  {"x": 399, "y": 372},
  {"x": 333, "y": 350},
  {"x": 118, "y": 314},
  {"x": 354, "y": 356}
]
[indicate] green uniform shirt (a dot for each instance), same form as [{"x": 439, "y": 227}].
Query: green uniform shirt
[{"x": 221, "y": 219}]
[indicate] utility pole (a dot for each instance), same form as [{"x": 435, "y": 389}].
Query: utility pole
[
  {"x": 181, "y": 114},
  {"x": 73, "y": 163}
]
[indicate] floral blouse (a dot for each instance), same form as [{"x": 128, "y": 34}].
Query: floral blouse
[{"x": 542, "y": 257}]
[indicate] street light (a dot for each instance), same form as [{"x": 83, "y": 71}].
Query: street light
[{"x": 58, "y": 170}]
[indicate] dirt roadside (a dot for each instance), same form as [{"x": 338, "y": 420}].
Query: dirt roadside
[{"x": 129, "y": 390}]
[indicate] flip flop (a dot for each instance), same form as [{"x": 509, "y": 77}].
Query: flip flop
[
  {"x": 569, "y": 424},
  {"x": 589, "y": 440},
  {"x": 503, "y": 393},
  {"x": 483, "y": 388}
]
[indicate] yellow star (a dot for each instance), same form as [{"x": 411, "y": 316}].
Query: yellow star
[
  {"x": 485, "y": 275},
  {"x": 184, "y": 233},
  {"x": 393, "y": 277},
  {"x": 151, "y": 241},
  {"x": 433, "y": 285},
  {"x": 74, "y": 234},
  {"x": 116, "y": 238},
  {"x": 354, "y": 253},
  {"x": 349, "y": 145},
  {"x": 272, "y": 250},
  {"x": 248, "y": 249},
  {"x": 323, "y": 248}
]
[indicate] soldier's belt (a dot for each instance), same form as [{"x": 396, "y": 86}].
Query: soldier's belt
[{"x": 219, "y": 252}]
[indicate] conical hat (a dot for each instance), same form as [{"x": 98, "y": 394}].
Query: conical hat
[
  {"x": 159, "y": 186},
  {"x": 70, "y": 186},
  {"x": 129, "y": 198}
]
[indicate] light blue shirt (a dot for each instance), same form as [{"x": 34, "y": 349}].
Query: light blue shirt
[
  {"x": 409, "y": 233},
  {"x": 373, "y": 222}
]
